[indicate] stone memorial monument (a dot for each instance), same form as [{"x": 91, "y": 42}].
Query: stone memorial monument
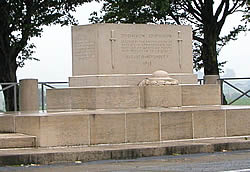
[
  {"x": 131, "y": 83},
  {"x": 124, "y": 54},
  {"x": 131, "y": 49}
]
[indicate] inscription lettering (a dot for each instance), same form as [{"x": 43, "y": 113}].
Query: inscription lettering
[
  {"x": 84, "y": 49},
  {"x": 146, "y": 47}
]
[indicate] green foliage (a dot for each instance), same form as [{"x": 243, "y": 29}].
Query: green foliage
[
  {"x": 131, "y": 11},
  {"x": 246, "y": 16},
  {"x": 23, "y": 19}
]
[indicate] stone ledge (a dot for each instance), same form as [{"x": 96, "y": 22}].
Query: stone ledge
[
  {"x": 121, "y": 151},
  {"x": 16, "y": 140},
  {"x": 124, "y": 79}
]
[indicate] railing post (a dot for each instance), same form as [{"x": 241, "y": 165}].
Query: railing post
[
  {"x": 221, "y": 91},
  {"x": 42, "y": 96},
  {"x": 28, "y": 95},
  {"x": 211, "y": 79},
  {"x": 15, "y": 97}
]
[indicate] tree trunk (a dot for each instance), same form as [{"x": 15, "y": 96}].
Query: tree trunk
[
  {"x": 209, "y": 54},
  {"x": 8, "y": 75}
]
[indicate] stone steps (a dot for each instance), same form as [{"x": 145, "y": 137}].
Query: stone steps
[
  {"x": 117, "y": 126},
  {"x": 16, "y": 140}
]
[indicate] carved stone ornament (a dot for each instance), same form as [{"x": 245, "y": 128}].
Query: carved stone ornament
[{"x": 159, "y": 78}]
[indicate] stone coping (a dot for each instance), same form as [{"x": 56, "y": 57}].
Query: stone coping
[
  {"x": 124, "y": 75},
  {"x": 120, "y": 111}
]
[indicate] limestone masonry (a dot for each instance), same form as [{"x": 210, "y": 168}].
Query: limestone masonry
[
  {"x": 131, "y": 49},
  {"x": 131, "y": 83}
]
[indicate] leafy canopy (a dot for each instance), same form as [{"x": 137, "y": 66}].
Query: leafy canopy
[{"x": 23, "y": 19}]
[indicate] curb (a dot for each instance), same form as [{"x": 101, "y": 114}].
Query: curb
[{"x": 117, "y": 152}]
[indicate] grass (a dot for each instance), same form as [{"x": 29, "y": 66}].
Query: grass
[{"x": 241, "y": 101}]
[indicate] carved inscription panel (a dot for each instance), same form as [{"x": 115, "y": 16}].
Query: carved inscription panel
[
  {"x": 146, "y": 47},
  {"x": 130, "y": 49},
  {"x": 85, "y": 49},
  {"x": 146, "y": 50}
]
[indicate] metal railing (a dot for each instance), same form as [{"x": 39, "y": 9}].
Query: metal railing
[
  {"x": 9, "y": 86},
  {"x": 42, "y": 92},
  {"x": 226, "y": 81},
  {"x": 54, "y": 85},
  {"x": 50, "y": 85}
]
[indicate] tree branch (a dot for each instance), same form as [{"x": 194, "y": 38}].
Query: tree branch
[
  {"x": 197, "y": 5},
  {"x": 223, "y": 18},
  {"x": 192, "y": 10},
  {"x": 201, "y": 40},
  {"x": 174, "y": 17},
  {"x": 219, "y": 9}
]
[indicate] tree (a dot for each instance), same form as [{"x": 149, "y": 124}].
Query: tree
[
  {"x": 246, "y": 16},
  {"x": 20, "y": 21},
  {"x": 206, "y": 18}
]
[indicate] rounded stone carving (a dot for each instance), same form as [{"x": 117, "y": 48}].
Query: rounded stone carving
[
  {"x": 159, "y": 78},
  {"x": 160, "y": 73}
]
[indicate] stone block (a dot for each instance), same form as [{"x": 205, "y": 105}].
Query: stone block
[
  {"x": 142, "y": 127},
  {"x": 238, "y": 122},
  {"x": 185, "y": 78},
  {"x": 7, "y": 123},
  {"x": 162, "y": 96},
  {"x": 83, "y": 98},
  {"x": 107, "y": 128},
  {"x": 58, "y": 98},
  {"x": 176, "y": 125},
  {"x": 117, "y": 97},
  {"x": 29, "y": 125},
  {"x": 211, "y": 79},
  {"x": 209, "y": 123},
  {"x": 58, "y": 130},
  {"x": 16, "y": 140},
  {"x": 201, "y": 95},
  {"x": 131, "y": 49},
  {"x": 94, "y": 98},
  {"x": 64, "y": 130}
]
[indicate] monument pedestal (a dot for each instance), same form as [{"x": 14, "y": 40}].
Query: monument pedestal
[
  {"x": 124, "y": 97},
  {"x": 113, "y": 98},
  {"x": 116, "y": 126}
]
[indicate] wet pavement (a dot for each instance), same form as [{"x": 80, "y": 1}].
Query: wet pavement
[{"x": 237, "y": 161}]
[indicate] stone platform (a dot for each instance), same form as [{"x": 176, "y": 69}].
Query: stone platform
[
  {"x": 121, "y": 92},
  {"x": 113, "y": 126},
  {"x": 115, "y": 97}
]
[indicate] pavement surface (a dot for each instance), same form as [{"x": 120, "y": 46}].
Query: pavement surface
[
  {"x": 52, "y": 155},
  {"x": 237, "y": 161}
]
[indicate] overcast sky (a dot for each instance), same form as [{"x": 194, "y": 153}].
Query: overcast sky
[{"x": 54, "y": 51}]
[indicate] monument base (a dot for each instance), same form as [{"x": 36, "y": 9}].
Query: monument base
[
  {"x": 115, "y": 97},
  {"x": 90, "y": 127}
]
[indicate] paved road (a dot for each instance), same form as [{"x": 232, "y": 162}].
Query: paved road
[{"x": 238, "y": 161}]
